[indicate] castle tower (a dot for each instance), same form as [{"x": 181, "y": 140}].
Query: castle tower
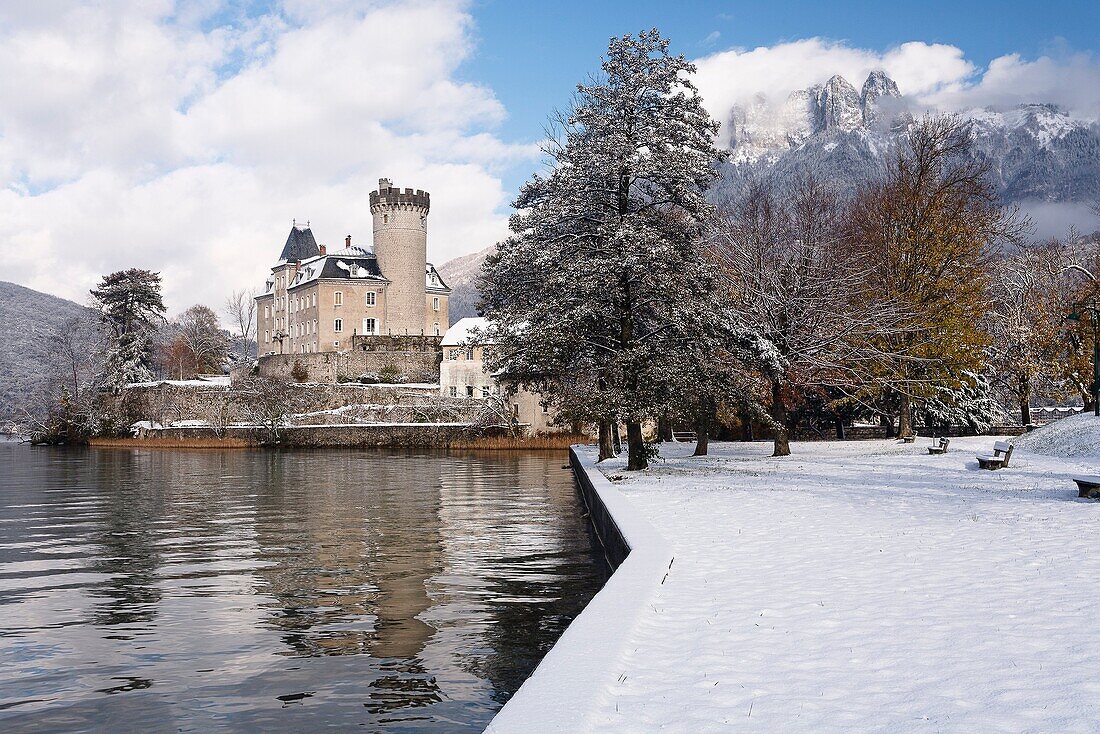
[{"x": 401, "y": 246}]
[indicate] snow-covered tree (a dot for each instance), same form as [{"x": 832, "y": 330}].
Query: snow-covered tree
[
  {"x": 805, "y": 313},
  {"x": 1029, "y": 288},
  {"x": 603, "y": 285},
  {"x": 967, "y": 402},
  {"x": 130, "y": 305}
]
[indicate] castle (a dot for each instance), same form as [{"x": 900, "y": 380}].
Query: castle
[{"x": 318, "y": 301}]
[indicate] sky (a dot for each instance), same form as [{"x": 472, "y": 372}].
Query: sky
[{"x": 184, "y": 137}]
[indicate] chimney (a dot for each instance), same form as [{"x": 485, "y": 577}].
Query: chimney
[
  {"x": 347, "y": 241},
  {"x": 321, "y": 248},
  {"x": 384, "y": 183}
]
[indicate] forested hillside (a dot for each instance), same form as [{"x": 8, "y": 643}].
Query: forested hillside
[{"x": 33, "y": 323}]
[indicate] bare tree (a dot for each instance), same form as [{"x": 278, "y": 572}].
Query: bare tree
[
  {"x": 494, "y": 413},
  {"x": 1028, "y": 287},
  {"x": 240, "y": 312},
  {"x": 203, "y": 339},
  {"x": 804, "y": 310},
  {"x": 269, "y": 403}
]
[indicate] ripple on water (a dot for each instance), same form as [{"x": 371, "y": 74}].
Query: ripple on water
[{"x": 184, "y": 591}]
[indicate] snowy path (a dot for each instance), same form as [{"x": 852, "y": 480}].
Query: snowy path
[{"x": 865, "y": 586}]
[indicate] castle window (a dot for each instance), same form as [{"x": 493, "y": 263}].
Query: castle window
[
  {"x": 437, "y": 329},
  {"x": 452, "y": 355},
  {"x": 484, "y": 391},
  {"x": 369, "y": 326},
  {"x": 469, "y": 391},
  {"x": 314, "y": 299},
  {"x": 338, "y": 325},
  {"x": 370, "y": 298},
  {"x": 338, "y": 298},
  {"x": 469, "y": 353},
  {"x": 454, "y": 391},
  {"x": 314, "y": 326},
  {"x": 385, "y": 219},
  {"x": 267, "y": 312},
  {"x": 435, "y": 302},
  {"x": 267, "y": 337}
]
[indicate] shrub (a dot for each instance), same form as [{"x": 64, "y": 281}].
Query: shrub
[{"x": 391, "y": 374}]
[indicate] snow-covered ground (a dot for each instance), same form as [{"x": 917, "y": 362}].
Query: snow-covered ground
[{"x": 864, "y": 586}]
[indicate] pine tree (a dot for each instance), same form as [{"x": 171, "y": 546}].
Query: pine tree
[
  {"x": 131, "y": 307},
  {"x": 603, "y": 286}
]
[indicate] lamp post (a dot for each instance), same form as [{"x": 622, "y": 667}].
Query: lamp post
[{"x": 1093, "y": 310}]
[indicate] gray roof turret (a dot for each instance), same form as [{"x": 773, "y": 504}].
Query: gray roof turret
[{"x": 300, "y": 244}]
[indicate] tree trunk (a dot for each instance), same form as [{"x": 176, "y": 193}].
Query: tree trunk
[
  {"x": 778, "y": 413},
  {"x": 636, "y": 446},
  {"x": 887, "y": 422},
  {"x": 746, "y": 430},
  {"x": 905, "y": 417},
  {"x": 702, "y": 437},
  {"x": 664, "y": 428},
  {"x": 1023, "y": 393},
  {"x": 839, "y": 423},
  {"x": 616, "y": 438},
  {"x": 606, "y": 449}
]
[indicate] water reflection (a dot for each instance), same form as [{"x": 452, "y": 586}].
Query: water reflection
[{"x": 184, "y": 591}]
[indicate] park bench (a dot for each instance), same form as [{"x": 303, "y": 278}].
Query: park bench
[
  {"x": 1088, "y": 486},
  {"x": 939, "y": 446},
  {"x": 909, "y": 439},
  {"x": 1002, "y": 452}
]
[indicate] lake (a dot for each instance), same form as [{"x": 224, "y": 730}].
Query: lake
[{"x": 195, "y": 591}]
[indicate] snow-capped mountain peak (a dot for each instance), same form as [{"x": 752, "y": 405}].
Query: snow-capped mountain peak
[{"x": 1035, "y": 151}]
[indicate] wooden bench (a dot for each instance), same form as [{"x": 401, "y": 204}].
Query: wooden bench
[
  {"x": 940, "y": 446},
  {"x": 909, "y": 439},
  {"x": 1002, "y": 452},
  {"x": 1088, "y": 486}
]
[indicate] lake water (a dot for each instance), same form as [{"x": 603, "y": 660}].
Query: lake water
[{"x": 195, "y": 591}]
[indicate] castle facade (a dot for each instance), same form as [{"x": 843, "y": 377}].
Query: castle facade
[{"x": 317, "y": 301}]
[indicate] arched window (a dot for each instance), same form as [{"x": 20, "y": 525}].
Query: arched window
[{"x": 338, "y": 298}]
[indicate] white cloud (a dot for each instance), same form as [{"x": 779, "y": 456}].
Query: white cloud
[
  {"x": 934, "y": 75},
  {"x": 736, "y": 75},
  {"x": 1071, "y": 81},
  {"x": 148, "y": 134}
]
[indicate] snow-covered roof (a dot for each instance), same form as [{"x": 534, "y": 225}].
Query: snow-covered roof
[
  {"x": 433, "y": 281},
  {"x": 359, "y": 264},
  {"x": 462, "y": 331}
]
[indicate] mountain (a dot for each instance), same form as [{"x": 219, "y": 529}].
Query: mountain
[
  {"x": 460, "y": 274},
  {"x": 1036, "y": 152},
  {"x": 28, "y": 352}
]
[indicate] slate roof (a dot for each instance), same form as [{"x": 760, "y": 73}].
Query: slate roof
[
  {"x": 334, "y": 266},
  {"x": 300, "y": 245}
]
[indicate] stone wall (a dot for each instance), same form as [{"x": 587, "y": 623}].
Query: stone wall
[
  {"x": 416, "y": 357},
  {"x": 392, "y": 436},
  {"x": 165, "y": 403}
]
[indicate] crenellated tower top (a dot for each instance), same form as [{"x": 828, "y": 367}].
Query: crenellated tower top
[{"x": 392, "y": 198}]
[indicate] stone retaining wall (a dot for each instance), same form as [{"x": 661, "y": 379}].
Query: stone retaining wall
[
  {"x": 417, "y": 358},
  {"x": 384, "y": 436},
  {"x": 165, "y": 402}
]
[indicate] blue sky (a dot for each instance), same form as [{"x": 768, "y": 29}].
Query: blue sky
[
  {"x": 533, "y": 53},
  {"x": 185, "y": 135}
]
